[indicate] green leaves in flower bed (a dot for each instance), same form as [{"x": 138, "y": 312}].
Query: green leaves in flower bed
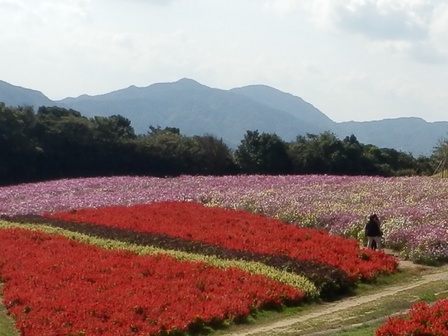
[{"x": 329, "y": 280}]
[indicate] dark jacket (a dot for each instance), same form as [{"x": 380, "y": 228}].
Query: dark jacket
[{"x": 373, "y": 229}]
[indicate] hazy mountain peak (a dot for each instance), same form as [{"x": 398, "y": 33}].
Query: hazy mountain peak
[
  {"x": 187, "y": 81},
  {"x": 287, "y": 102},
  {"x": 197, "y": 109},
  {"x": 13, "y": 95}
]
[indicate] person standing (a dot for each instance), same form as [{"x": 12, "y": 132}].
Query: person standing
[{"x": 373, "y": 232}]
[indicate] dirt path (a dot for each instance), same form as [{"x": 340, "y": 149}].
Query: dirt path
[{"x": 330, "y": 311}]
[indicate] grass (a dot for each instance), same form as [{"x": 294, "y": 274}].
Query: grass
[
  {"x": 372, "y": 315},
  {"x": 360, "y": 331},
  {"x": 443, "y": 173},
  {"x": 361, "y": 319},
  {"x": 7, "y": 327},
  {"x": 427, "y": 294},
  {"x": 364, "y": 319}
]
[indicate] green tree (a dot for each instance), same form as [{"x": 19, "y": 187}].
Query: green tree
[
  {"x": 440, "y": 157},
  {"x": 165, "y": 152},
  {"x": 18, "y": 147},
  {"x": 67, "y": 142},
  {"x": 263, "y": 154},
  {"x": 318, "y": 154},
  {"x": 212, "y": 156},
  {"x": 113, "y": 128}
]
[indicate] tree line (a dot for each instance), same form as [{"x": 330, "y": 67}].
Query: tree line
[{"x": 55, "y": 142}]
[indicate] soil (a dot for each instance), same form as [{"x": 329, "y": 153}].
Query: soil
[{"x": 305, "y": 323}]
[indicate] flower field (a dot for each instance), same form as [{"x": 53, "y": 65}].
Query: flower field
[
  {"x": 152, "y": 256},
  {"x": 414, "y": 210},
  {"x": 55, "y": 286},
  {"x": 240, "y": 231}
]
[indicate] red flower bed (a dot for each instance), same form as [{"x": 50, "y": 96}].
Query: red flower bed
[
  {"x": 55, "y": 286},
  {"x": 240, "y": 230},
  {"x": 422, "y": 320}
]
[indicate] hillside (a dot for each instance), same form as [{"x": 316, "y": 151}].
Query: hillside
[
  {"x": 413, "y": 135},
  {"x": 286, "y": 102},
  {"x": 13, "y": 95},
  {"x": 194, "y": 108},
  {"x": 197, "y": 109}
]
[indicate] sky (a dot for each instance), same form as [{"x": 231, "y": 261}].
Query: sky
[{"x": 355, "y": 60}]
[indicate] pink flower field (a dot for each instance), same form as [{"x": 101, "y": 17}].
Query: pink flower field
[
  {"x": 414, "y": 210},
  {"x": 178, "y": 256}
]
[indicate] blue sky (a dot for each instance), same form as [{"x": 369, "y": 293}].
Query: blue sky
[{"x": 352, "y": 59}]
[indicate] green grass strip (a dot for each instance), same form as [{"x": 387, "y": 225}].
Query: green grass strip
[
  {"x": 7, "y": 326},
  {"x": 297, "y": 281}
]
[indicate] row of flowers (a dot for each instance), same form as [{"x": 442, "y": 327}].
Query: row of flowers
[
  {"x": 314, "y": 278},
  {"x": 240, "y": 231},
  {"x": 45, "y": 266},
  {"x": 54, "y": 285},
  {"x": 422, "y": 319},
  {"x": 113, "y": 242},
  {"x": 413, "y": 209}
]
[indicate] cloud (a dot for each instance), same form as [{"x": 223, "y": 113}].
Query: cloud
[
  {"x": 157, "y": 2},
  {"x": 31, "y": 14},
  {"x": 415, "y": 29},
  {"x": 10, "y": 4},
  {"x": 438, "y": 28},
  {"x": 373, "y": 19},
  {"x": 19, "y": 15},
  {"x": 71, "y": 10},
  {"x": 433, "y": 48},
  {"x": 282, "y": 7},
  {"x": 377, "y": 19},
  {"x": 427, "y": 53}
]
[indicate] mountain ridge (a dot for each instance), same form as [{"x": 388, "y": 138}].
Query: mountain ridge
[{"x": 197, "y": 109}]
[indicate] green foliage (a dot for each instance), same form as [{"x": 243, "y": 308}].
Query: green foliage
[
  {"x": 263, "y": 154},
  {"x": 60, "y": 143},
  {"x": 213, "y": 156},
  {"x": 440, "y": 158},
  {"x": 166, "y": 152},
  {"x": 114, "y": 128},
  {"x": 321, "y": 154},
  {"x": 326, "y": 154},
  {"x": 18, "y": 148}
]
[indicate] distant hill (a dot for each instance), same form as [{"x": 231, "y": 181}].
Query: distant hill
[
  {"x": 197, "y": 109},
  {"x": 296, "y": 106},
  {"x": 13, "y": 95},
  {"x": 194, "y": 108},
  {"x": 413, "y": 135}
]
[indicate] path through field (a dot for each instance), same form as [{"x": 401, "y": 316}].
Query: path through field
[{"x": 329, "y": 318}]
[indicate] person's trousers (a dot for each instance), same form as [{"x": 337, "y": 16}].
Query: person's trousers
[{"x": 377, "y": 240}]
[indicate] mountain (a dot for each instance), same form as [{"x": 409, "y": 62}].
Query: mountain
[
  {"x": 286, "y": 102},
  {"x": 413, "y": 135},
  {"x": 197, "y": 109},
  {"x": 13, "y": 95}
]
